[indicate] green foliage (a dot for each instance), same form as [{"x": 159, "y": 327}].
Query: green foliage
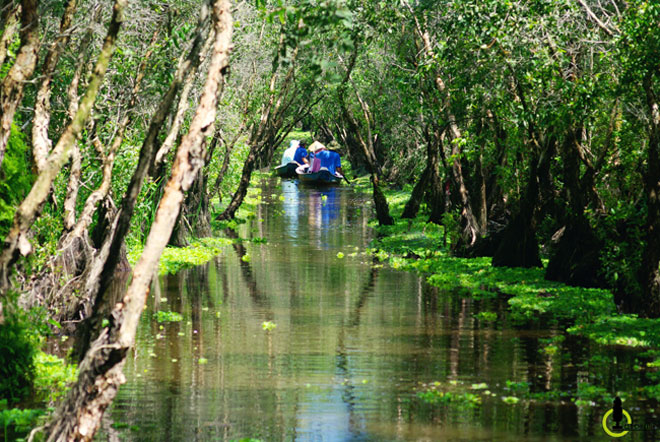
[
  {"x": 52, "y": 377},
  {"x": 517, "y": 388},
  {"x": 18, "y": 348},
  {"x": 487, "y": 316},
  {"x": 16, "y": 177},
  {"x": 628, "y": 330},
  {"x": 16, "y": 422}
]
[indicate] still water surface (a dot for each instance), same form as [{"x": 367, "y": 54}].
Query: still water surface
[{"x": 354, "y": 342}]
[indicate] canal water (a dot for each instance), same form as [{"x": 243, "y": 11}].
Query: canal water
[{"x": 306, "y": 337}]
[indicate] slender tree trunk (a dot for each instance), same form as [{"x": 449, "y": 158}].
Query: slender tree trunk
[
  {"x": 41, "y": 142},
  {"x": 11, "y": 91},
  {"x": 429, "y": 182},
  {"x": 9, "y": 27},
  {"x": 116, "y": 236},
  {"x": 364, "y": 142},
  {"x": 16, "y": 241},
  {"x": 415, "y": 200},
  {"x": 229, "y": 146},
  {"x": 100, "y": 373},
  {"x": 436, "y": 189},
  {"x": 482, "y": 196},
  {"x": 468, "y": 222}
]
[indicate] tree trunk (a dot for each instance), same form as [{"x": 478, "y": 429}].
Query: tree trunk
[
  {"x": 11, "y": 91},
  {"x": 223, "y": 169},
  {"x": 78, "y": 417},
  {"x": 518, "y": 246},
  {"x": 380, "y": 202},
  {"x": 41, "y": 143},
  {"x": 9, "y": 27},
  {"x": 575, "y": 258},
  {"x": 415, "y": 200},
  {"x": 197, "y": 206},
  {"x": 16, "y": 241},
  {"x": 116, "y": 236},
  {"x": 179, "y": 236}
]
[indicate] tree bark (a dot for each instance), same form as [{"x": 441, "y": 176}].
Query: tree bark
[
  {"x": 364, "y": 142},
  {"x": 116, "y": 236},
  {"x": 41, "y": 142},
  {"x": 575, "y": 257},
  {"x": 11, "y": 91},
  {"x": 9, "y": 26},
  {"x": 518, "y": 246},
  {"x": 415, "y": 200},
  {"x": 80, "y": 414},
  {"x": 16, "y": 241}
]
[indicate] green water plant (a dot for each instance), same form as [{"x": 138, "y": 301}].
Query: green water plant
[
  {"x": 174, "y": 259},
  {"x": 163, "y": 316},
  {"x": 435, "y": 397}
]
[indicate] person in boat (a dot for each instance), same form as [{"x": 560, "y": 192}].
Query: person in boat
[
  {"x": 300, "y": 156},
  {"x": 328, "y": 159},
  {"x": 294, "y": 154}
]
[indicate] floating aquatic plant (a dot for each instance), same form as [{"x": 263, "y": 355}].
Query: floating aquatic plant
[{"x": 163, "y": 316}]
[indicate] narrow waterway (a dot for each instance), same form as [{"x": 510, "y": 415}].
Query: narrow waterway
[{"x": 352, "y": 344}]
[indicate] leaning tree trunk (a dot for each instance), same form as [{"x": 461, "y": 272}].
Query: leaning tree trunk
[
  {"x": 195, "y": 217},
  {"x": 429, "y": 182},
  {"x": 41, "y": 143},
  {"x": 16, "y": 242},
  {"x": 11, "y": 91},
  {"x": 115, "y": 237},
  {"x": 415, "y": 200},
  {"x": 9, "y": 26},
  {"x": 79, "y": 416},
  {"x": 364, "y": 142}
]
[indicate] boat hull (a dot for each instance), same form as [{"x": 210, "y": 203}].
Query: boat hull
[
  {"x": 322, "y": 177},
  {"x": 286, "y": 170}
]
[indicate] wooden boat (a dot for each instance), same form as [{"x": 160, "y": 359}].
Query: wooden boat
[
  {"x": 323, "y": 176},
  {"x": 287, "y": 170}
]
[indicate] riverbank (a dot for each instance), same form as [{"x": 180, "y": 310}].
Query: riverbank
[{"x": 422, "y": 247}]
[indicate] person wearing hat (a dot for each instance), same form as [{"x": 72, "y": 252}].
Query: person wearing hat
[{"x": 329, "y": 159}]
